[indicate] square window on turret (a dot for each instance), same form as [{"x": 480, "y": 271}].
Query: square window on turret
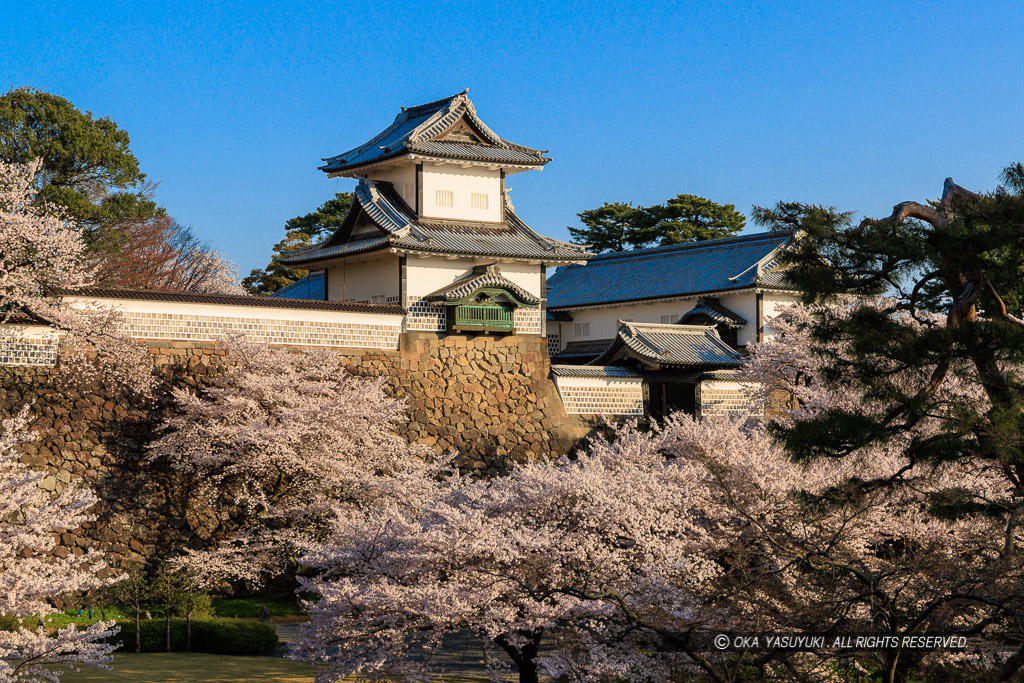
[
  {"x": 479, "y": 201},
  {"x": 444, "y": 198}
]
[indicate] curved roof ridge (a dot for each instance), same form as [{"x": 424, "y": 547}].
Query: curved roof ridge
[
  {"x": 416, "y": 126},
  {"x": 436, "y": 104}
]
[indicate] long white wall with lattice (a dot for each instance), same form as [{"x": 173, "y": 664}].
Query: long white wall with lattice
[
  {"x": 725, "y": 397},
  {"x": 165, "y": 320},
  {"x": 601, "y": 395},
  {"x": 28, "y": 345}
]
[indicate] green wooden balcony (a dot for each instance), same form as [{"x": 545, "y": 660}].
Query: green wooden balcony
[{"x": 484, "y": 318}]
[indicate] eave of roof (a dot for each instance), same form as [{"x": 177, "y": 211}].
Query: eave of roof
[
  {"x": 715, "y": 311},
  {"x": 232, "y": 300},
  {"x": 489, "y": 276},
  {"x": 402, "y": 231}
]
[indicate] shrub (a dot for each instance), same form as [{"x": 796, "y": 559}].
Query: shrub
[{"x": 215, "y": 636}]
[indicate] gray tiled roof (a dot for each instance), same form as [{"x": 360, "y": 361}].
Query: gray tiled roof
[
  {"x": 592, "y": 371},
  {"x": 485, "y": 276},
  {"x": 412, "y": 132},
  {"x": 401, "y": 229},
  {"x": 710, "y": 308},
  {"x": 310, "y": 287},
  {"x": 584, "y": 351},
  {"x": 674, "y": 345},
  {"x": 677, "y": 270}
]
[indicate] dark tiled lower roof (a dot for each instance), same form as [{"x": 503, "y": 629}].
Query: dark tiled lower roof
[
  {"x": 462, "y": 150},
  {"x": 235, "y": 300},
  {"x": 400, "y": 229},
  {"x": 673, "y": 345},
  {"x": 583, "y": 351},
  {"x": 663, "y": 272},
  {"x": 310, "y": 287}
]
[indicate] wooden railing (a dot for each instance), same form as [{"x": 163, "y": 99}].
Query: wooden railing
[{"x": 484, "y": 318}]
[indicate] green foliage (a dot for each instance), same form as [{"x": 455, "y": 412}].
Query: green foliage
[
  {"x": 12, "y": 622},
  {"x": 88, "y": 166},
  {"x": 612, "y": 227},
  {"x": 215, "y": 636},
  {"x": 946, "y": 268},
  {"x": 689, "y": 218},
  {"x": 301, "y": 231},
  {"x": 279, "y": 605},
  {"x": 199, "y": 604},
  {"x": 684, "y": 218}
]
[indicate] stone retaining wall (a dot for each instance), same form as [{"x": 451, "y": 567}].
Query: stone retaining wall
[{"x": 490, "y": 399}]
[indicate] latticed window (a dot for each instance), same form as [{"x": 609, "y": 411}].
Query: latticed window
[
  {"x": 478, "y": 200},
  {"x": 581, "y": 329},
  {"x": 444, "y": 198}
]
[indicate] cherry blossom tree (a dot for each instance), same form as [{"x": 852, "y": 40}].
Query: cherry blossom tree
[
  {"x": 43, "y": 258},
  {"x": 621, "y": 562},
  {"x": 280, "y": 442},
  {"x": 31, "y": 575}
]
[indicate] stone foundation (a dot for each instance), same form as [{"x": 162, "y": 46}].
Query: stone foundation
[{"x": 489, "y": 398}]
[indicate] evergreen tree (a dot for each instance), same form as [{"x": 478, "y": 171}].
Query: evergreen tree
[
  {"x": 684, "y": 218},
  {"x": 944, "y": 320},
  {"x": 87, "y": 165},
  {"x": 689, "y": 218},
  {"x": 611, "y": 227},
  {"x": 301, "y": 231}
]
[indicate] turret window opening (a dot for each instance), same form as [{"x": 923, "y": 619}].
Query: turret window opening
[{"x": 444, "y": 198}]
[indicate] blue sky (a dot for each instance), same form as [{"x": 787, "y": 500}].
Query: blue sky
[{"x": 231, "y": 105}]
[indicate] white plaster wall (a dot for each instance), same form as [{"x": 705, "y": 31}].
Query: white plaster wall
[
  {"x": 604, "y": 321},
  {"x": 726, "y": 397},
  {"x": 462, "y": 182},
  {"x": 744, "y": 303},
  {"x": 23, "y": 345},
  {"x": 222, "y": 311},
  {"x": 403, "y": 177},
  {"x": 773, "y": 304},
  {"x": 427, "y": 275},
  {"x": 601, "y": 395},
  {"x": 363, "y": 280}
]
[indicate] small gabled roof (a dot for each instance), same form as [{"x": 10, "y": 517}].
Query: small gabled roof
[
  {"x": 427, "y": 129},
  {"x": 656, "y": 345},
  {"x": 674, "y": 271},
  {"x": 479, "y": 277},
  {"x": 399, "y": 228},
  {"x": 710, "y": 308}
]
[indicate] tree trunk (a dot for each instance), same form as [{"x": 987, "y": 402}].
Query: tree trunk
[
  {"x": 188, "y": 630},
  {"x": 525, "y": 658},
  {"x": 138, "y": 629},
  {"x": 167, "y": 621},
  {"x": 528, "y": 672}
]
